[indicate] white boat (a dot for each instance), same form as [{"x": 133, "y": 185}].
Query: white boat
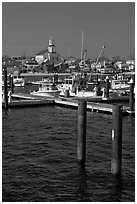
[
  {"x": 40, "y": 81},
  {"x": 120, "y": 85},
  {"x": 67, "y": 85},
  {"x": 18, "y": 81},
  {"x": 72, "y": 86},
  {"x": 47, "y": 89}
]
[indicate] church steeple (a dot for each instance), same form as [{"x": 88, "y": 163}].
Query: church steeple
[{"x": 51, "y": 46}]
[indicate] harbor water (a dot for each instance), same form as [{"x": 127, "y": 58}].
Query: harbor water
[{"x": 39, "y": 157}]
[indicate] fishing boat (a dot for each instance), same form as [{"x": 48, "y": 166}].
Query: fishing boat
[
  {"x": 47, "y": 89},
  {"x": 76, "y": 85},
  {"x": 67, "y": 85}
]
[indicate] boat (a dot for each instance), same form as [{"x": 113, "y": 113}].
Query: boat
[
  {"x": 47, "y": 89},
  {"x": 77, "y": 87},
  {"x": 119, "y": 84},
  {"x": 79, "y": 84},
  {"x": 18, "y": 81},
  {"x": 43, "y": 80},
  {"x": 67, "y": 85}
]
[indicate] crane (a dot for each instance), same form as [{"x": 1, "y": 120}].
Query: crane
[{"x": 101, "y": 51}]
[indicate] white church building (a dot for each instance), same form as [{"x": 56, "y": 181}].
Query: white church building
[{"x": 49, "y": 56}]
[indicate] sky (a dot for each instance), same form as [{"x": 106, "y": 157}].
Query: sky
[{"x": 27, "y": 27}]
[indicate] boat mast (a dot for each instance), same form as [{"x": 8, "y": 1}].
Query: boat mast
[{"x": 82, "y": 46}]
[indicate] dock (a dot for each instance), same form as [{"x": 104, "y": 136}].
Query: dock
[
  {"x": 93, "y": 104},
  {"x": 105, "y": 100},
  {"x": 25, "y": 96},
  {"x": 29, "y": 103}
]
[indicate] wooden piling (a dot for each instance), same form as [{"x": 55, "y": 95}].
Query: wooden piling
[
  {"x": 107, "y": 86},
  {"x": 5, "y": 88},
  {"x": 55, "y": 78},
  {"x": 97, "y": 78},
  {"x": 81, "y": 143},
  {"x": 66, "y": 93},
  {"x": 12, "y": 84},
  {"x": 131, "y": 96},
  {"x": 116, "y": 160}
]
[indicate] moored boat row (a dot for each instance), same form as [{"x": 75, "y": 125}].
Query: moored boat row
[{"x": 76, "y": 85}]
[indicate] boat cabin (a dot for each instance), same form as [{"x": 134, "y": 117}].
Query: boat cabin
[
  {"x": 47, "y": 86},
  {"x": 118, "y": 84}
]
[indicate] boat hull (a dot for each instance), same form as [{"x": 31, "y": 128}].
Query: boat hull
[
  {"x": 19, "y": 84},
  {"x": 52, "y": 94}
]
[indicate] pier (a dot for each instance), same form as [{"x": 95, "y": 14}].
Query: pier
[
  {"x": 29, "y": 103},
  {"x": 91, "y": 106},
  {"x": 96, "y": 104}
]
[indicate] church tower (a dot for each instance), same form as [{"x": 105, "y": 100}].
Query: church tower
[{"x": 51, "y": 46}]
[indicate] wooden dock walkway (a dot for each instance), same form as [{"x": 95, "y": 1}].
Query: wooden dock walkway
[
  {"x": 29, "y": 103},
  {"x": 106, "y": 100},
  {"x": 93, "y": 104},
  {"x": 25, "y": 96}
]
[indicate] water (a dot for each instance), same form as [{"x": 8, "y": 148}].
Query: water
[{"x": 39, "y": 157}]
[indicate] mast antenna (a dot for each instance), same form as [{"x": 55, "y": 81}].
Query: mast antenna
[{"x": 82, "y": 46}]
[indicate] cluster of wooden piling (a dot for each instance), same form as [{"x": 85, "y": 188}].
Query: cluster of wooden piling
[{"x": 116, "y": 159}]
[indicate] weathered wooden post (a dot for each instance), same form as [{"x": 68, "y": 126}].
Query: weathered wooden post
[
  {"x": 116, "y": 160},
  {"x": 81, "y": 144},
  {"x": 5, "y": 88},
  {"x": 131, "y": 97},
  {"x": 55, "y": 78},
  {"x": 107, "y": 86},
  {"x": 97, "y": 78},
  {"x": 12, "y": 84},
  {"x": 67, "y": 93}
]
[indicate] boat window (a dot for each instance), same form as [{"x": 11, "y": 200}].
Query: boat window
[
  {"x": 54, "y": 87},
  {"x": 46, "y": 87}
]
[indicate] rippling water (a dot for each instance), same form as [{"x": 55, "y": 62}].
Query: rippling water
[{"x": 40, "y": 157}]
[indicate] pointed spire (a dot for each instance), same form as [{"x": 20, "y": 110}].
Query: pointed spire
[{"x": 51, "y": 41}]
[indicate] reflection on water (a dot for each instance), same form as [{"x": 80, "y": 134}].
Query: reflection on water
[
  {"x": 99, "y": 183},
  {"x": 81, "y": 190}
]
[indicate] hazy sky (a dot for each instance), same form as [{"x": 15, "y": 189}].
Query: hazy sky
[{"x": 27, "y": 27}]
